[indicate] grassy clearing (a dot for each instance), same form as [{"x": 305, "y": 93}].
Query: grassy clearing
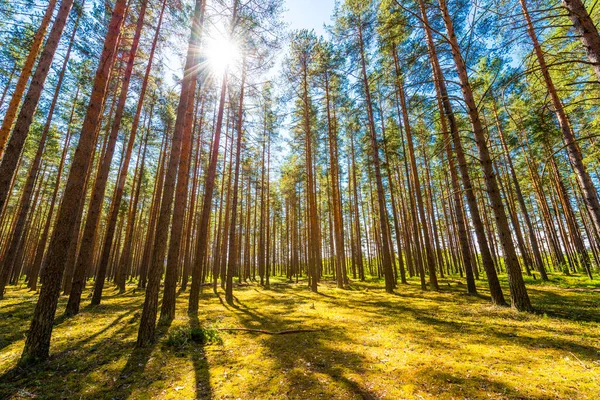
[{"x": 372, "y": 345}]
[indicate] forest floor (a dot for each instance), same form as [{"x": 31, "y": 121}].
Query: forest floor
[{"x": 370, "y": 345}]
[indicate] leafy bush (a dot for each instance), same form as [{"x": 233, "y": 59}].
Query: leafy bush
[
  {"x": 180, "y": 337},
  {"x": 206, "y": 335}
]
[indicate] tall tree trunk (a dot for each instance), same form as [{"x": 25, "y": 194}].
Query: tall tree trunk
[
  {"x": 311, "y": 202},
  {"x": 122, "y": 178},
  {"x": 41, "y": 248},
  {"x": 127, "y": 256},
  {"x": 209, "y": 186},
  {"x": 417, "y": 186},
  {"x": 357, "y": 233},
  {"x": 518, "y": 292},
  {"x": 148, "y": 319},
  {"x": 17, "y": 95},
  {"x": 383, "y": 215},
  {"x": 484, "y": 248},
  {"x": 539, "y": 263},
  {"x": 90, "y": 232},
  {"x": 338, "y": 222},
  {"x": 174, "y": 258},
  {"x": 37, "y": 344},
  {"x": 586, "y": 30},
  {"x": 590, "y": 195},
  {"x": 232, "y": 259},
  {"x": 25, "y": 203},
  {"x": 14, "y": 148}
]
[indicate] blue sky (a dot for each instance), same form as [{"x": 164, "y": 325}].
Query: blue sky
[{"x": 309, "y": 14}]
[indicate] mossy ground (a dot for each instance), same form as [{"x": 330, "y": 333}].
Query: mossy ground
[{"x": 412, "y": 344}]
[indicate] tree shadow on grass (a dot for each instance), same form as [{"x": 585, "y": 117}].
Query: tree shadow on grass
[
  {"x": 132, "y": 375},
  {"x": 201, "y": 367},
  {"x": 441, "y": 383},
  {"x": 493, "y": 328},
  {"x": 14, "y": 322},
  {"x": 63, "y": 374},
  {"x": 573, "y": 306},
  {"x": 304, "y": 360}
]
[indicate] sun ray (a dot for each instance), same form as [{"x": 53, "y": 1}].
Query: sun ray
[{"x": 221, "y": 53}]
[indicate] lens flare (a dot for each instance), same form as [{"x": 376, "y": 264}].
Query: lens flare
[{"x": 221, "y": 53}]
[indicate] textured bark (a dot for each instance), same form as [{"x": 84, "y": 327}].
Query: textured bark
[
  {"x": 106, "y": 246},
  {"x": 148, "y": 319},
  {"x": 338, "y": 222},
  {"x": 463, "y": 234},
  {"x": 124, "y": 263},
  {"x": 37, "y": 344},
  {"x": 311, "y": 203},
  {"x": 586, "y": 30},
  {"x": 41, "y": 247},
  {"x": 539, "y": 263},
  {"x": 25, "y": 203},
  {"x": 383, "y": 215},
  {"x": 17, "y": 95},
  {"x": 14, "y": 148},
  {"x": 154, "y": 209},
  {"x": 590, "y": 195},
  {"x": 232, "y": 259},
  {"x": 518, "y": 292},
  {"x": 431, "y": 263},
  {"x": 189, "y": 256},
  {"x": 86, "y": 257},
  {"x": 174, "y": 258},
  {"x": 484, "y": 248},
  {"x": 357, "y": 234}
]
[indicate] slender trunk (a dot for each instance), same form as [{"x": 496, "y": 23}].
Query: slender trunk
[
  {"x": 417, "y": 188},
  {"x": 25, "y": 203},
  {"x": 121, "y": 180},
  {"x": 14, "y": 148},
  {"x": 154, "y": 209},
  {"x": 484, "y": 248},
  {"x": 148, "y": 319},
  {"x": 338, "y": 224},
  {"x": 383, "y": 215},
  {"x": 232, "y": 259},
  {"x": 37, "y": 344},
  {"x": 41, "y": 248},
  {"x": 590, "y": 195},
  {"x": 17, "y": 95},
  {"x": 519, "y": 297},
  {"x": 539, "y": 263},
  {"x": 167, "y": 312}
]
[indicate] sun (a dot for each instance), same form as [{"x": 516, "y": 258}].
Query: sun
[{"x": 221, "y": 53}]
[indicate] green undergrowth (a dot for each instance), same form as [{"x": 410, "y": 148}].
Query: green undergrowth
[
  {"x": 367, "y": 344},
  {"x": 181, "y": 337}
]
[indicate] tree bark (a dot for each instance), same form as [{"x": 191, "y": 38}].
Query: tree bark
[
  {"x": 14, "y": 148},
  {"x": 148, "y": 319},
  {"x": 37, "y": 344},
  {"x": 383, "y": 215},
  {"x": 519, "y": 296},
  {"x": 590, "y": 195},
  {"x": 586, "y": 30},
  {"x": 15, "y": 100},
  {"x": 232, "y": 259}
]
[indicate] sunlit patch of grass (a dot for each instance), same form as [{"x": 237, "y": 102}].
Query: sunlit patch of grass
[{"x": 368, "y": 344}]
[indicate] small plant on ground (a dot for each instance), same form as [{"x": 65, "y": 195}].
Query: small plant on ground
[
  {"x": 206, "y": 335},
  {"x": 181, "y": 337}
]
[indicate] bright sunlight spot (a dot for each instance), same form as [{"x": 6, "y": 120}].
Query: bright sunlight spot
[{"x": 221, "y": 53}]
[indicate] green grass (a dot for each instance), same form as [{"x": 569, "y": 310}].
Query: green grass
[{"x": 372, "y": 345}]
